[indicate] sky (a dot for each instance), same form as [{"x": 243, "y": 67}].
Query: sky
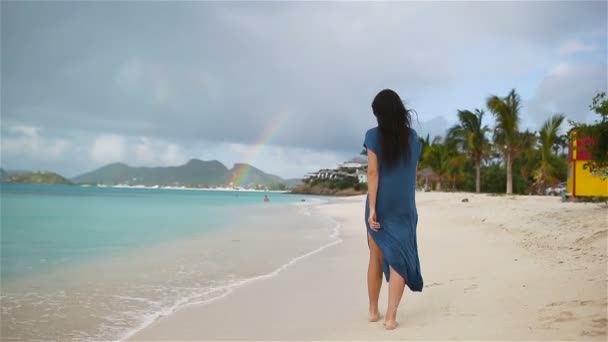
[{"x": 285, "y": 86}]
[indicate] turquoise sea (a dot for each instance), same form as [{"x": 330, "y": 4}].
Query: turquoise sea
[
  {"x": 86, "y": 263},
  {"x": 46, "y": 226}
]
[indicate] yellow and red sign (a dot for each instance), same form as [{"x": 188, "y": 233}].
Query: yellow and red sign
[{"x": 581, "y": 182}]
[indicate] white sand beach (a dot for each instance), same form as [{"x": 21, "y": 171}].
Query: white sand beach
[{"x": 495, "y": 268}]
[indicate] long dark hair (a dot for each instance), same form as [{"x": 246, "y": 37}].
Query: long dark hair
[{"x": 394, "y": 122}]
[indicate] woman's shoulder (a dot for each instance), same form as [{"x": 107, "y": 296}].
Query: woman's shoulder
[
  {"x": 373, "y": 130},
  {"x": 371, "y": 133},
  {"x": 413, "y": 133}
]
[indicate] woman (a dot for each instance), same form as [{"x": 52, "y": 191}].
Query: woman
[{"x": 393, "y": 151}]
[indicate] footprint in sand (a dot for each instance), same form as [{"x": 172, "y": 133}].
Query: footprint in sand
[
  {"x": 593, "y": 333},
  {"x": 600, "y": 323},
  {"x": 472, "y": 287},
  {"x": 556, "y": 303},
  {"x": 564, "y": 316},
  {"x": 585, "y": 302},
  {"x": 434, "y": 284}
]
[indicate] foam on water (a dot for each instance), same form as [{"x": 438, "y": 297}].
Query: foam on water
[{"x": 225, "y": 290}]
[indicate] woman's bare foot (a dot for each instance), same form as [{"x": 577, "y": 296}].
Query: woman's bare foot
[
  {"x": 374, "y": 316},
  {"x": 390, "y": 325}
]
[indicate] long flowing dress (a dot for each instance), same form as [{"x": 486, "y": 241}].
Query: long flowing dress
[{"x": 396, "y": 211}]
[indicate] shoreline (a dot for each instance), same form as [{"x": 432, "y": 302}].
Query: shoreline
[
  {"x": 474, "y": 255},
  {"x": 231, "y": 287},
  {"x": 160, "y": 187},
  {"x": 151, "y": 187},
  {"x": 127, "y": 292}
]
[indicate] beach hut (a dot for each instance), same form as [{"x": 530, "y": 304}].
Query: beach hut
[{"x": 581, "y": 182}]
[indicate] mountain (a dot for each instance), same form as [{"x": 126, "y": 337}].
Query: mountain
[
  {"x": 293, "y": 182},
  {"x": 246, "y": 175},
  {"x": 36, "y": 178},
  {"x": 3, "y": 173},
  {"x": 195, "y": 173}
]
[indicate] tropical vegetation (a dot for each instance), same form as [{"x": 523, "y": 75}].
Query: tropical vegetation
[
  {"x": 598, "y": 132},
  {"x": 499, "y": 157}
]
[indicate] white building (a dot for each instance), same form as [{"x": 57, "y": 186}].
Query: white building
[
  {"x": 362, "y": 177},
  {"x": 355, "y": 163},
  {"x": 355, "y": 168}
]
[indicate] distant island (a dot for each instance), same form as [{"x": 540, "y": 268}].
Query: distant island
[
  {"x": 193, "y": 174},
  {"x": 349, "y": 178},
  {"x": 39, "y": 177}
]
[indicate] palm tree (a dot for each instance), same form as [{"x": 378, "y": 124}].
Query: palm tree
[
  {"x": 470, "y": 136},
  {"x": 436, "y": 156},
  {"x": 424, "y": 143},
  {"x": 456, "y": 164},
  {"x": 526, "y": 154},
  {"x": 506, "y": 112},
  {"x": 548, "y": 138}
]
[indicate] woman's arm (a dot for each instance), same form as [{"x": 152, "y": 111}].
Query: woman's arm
[{"x": 372, "y": 187}]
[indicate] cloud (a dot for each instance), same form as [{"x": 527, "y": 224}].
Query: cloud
[
  {"x": 129, "y": 75},
  {"x": 108, "y": 148},
  {"x": 144, "y": 152},
  {"x": 172, "y": 155},
  {"x": 143, "y": 81},
  {"x": 436, "y": 126},
  {"x": 172, "y": 77},
  {"x": 25, "y": 148},
  {"x": 211, "y": 74},
  {"x": 27, "y": 142},
  {"x": 149, "y": 152},
  {"x": 573, "y": 46},
  {"x": 568, "y": 89},
  {"x": 288, "y": 162},
  {"x": 136, "y": 151}
]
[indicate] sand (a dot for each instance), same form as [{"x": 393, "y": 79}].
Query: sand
[{"x": 495, "y": 268}]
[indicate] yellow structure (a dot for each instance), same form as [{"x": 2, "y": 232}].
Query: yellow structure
[{"x": 581, "y": 182}]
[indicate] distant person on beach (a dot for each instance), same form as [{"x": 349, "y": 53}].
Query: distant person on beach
[
  {"x": 391, "y": 217},
  {"x": 266, "y": 199}
]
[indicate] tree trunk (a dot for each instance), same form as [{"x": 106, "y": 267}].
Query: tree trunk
[
  {"x": 438, "y": 188},
  {"x": 477, "y": 176},
  {"x": 509, "y": 175}
]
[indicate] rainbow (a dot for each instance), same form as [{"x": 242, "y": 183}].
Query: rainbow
[{"x": 241, "y": 174}]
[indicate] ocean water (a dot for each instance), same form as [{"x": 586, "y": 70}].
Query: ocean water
[{"x": 82, "y": 263}]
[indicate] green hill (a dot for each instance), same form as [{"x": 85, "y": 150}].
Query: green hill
[
  {"x": 36, "y": 178},
  {"x": 195, "y": 173},
  {"x": 247, "y": 175},
  {"x": 3, "y": 173},
  {"x": 293, "y": 182}
]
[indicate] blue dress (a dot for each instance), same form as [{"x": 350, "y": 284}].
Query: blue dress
[{"x": 396, "y": 211}]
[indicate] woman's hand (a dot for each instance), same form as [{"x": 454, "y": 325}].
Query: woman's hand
[{"x": 373, "y": 222}]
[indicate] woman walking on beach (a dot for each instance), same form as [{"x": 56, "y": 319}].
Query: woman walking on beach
[{"x": 393, "y": 151}]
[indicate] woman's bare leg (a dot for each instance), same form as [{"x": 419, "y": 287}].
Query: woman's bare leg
[
  {"x": 374, "y": 278},
  {"x": 396, "y": 285}
]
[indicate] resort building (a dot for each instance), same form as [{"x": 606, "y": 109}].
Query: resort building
[{"x": 355, "y": 168}]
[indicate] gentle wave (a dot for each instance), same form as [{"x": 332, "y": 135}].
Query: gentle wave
[{"x": 229, "y": 288}]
